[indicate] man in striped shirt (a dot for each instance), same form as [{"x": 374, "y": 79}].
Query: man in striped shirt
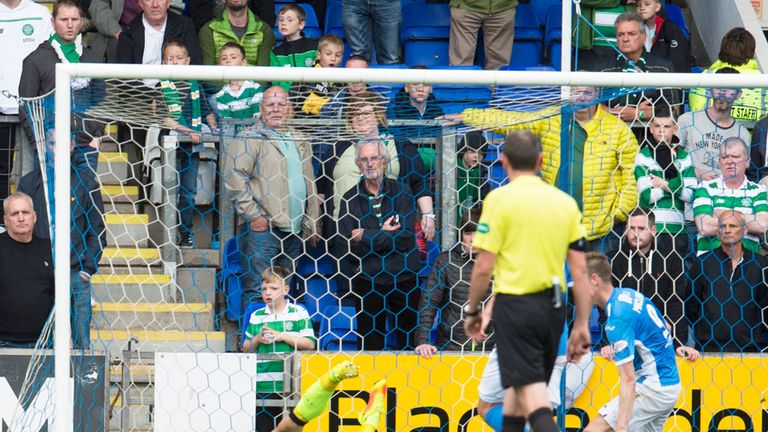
[
  {"x": 280, "y": 326},
  {"x": 731, "y": 191}
]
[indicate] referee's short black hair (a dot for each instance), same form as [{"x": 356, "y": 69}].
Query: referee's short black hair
[{"x": 522, "y": 148}]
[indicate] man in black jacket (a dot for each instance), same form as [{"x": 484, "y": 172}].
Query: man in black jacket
[
  {"x": 663, "y": 37},
  {"x": 447, "y": 291},
  {"x": 376, "y": 222},
  {"x": 142, "y": 41},
  {"x": 641, "y": 266},
  {"x": 728, "y": 308}
]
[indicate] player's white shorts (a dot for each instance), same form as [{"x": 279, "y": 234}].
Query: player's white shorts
[
  {"x": 576, "y": 378},
  {"x": 650, "y": 411}
]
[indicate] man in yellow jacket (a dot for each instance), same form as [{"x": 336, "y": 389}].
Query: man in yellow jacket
[{"x": 602, "y": 149}]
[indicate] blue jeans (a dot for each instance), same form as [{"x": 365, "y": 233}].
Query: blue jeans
[
  {"x": 187, "y": 164},
  {"x": 377, "y": 20},
  {"x": 81, "y": 311},
  {"x": 9, "y": 344},
  {"x": 261, "y": 250}
]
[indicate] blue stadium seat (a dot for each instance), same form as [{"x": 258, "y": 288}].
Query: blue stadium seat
[
  {"x": 675, "y": 14},
  {"x": 594, "y": 325},
  {"x": 338, "y": 329},
  {"x": 455, "y": 98},
  {"x": 319, "y": 294},
  {"x": 528, "y": 37},
  {"x": 334, "y": 21},
  {"x": 553, "y": 35},
  {"x": 389, "y": 90},
  {"x": 541, "y": 8},
  {"x": 424, "y": 38},
  {"x": 311, "y": 28},
  {"x": 229, "y": 279},
  {"x": 498, "y": 177},
  {"x": 247, "y": 317},
  {"x": 308, "y": 267}
]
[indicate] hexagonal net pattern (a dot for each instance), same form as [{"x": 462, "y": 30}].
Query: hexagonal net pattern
[{"x": 233, "y": 242}]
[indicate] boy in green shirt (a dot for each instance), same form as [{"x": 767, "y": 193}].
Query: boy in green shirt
[
  {"x": 296, "y": 50},
  {"x": 238, "y": 100}
]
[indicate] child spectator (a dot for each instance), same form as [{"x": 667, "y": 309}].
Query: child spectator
[
  {"x": 309, "y": 98},
  {"x": 237, "y": 100},
  {"x": 280, "y": 326},
  {"x": 185, "y": 109},
  {"x": 663, "y": 38},
  {"x": 296, "y": 50},
  {"x": 666, "y": 181},
  {"x": 472, "y": 183}
]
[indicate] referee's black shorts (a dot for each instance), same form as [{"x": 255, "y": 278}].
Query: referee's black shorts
[{"x": 528, "y": 330}]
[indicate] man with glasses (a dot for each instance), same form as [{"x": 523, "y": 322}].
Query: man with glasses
[
  {"x": 268, "y": 172},
  {"x": 376, "y": 224},
  {"x": 731, "y": 191}
]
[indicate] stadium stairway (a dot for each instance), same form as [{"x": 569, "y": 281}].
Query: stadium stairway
[{"x": 138, "y": 308}]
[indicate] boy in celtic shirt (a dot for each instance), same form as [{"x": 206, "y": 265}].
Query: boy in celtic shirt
[{"x": 237, "y": 100}]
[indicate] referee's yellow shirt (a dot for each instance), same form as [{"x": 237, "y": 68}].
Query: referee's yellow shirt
[{"x": 529, "y": 225}]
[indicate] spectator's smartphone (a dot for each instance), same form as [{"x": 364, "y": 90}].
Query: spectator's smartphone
[{"x": 396, "y": 220}]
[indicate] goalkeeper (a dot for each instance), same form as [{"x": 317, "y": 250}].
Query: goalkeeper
[{"x": 315, "y": 401}]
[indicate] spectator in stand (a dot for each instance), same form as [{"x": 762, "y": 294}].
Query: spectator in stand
[
  {"x": 296, "y": 50},
  {"x": 737, "y": 51},
  {"x": 729, "y": 306},
  {"x": 111, "y": 18},
  {"x": 731, "y": 191},
  {"x": 446, "y": 292},
  {"x": 472, "y": 183},
  {"x": 279, "y": 327},
  {"x": 237, "y": 24},
  {"x": 703, "y": 132},
  {"x": 309, "y": 99},
  {"x": 335, "y": 107},
  {"x": 376, "y": 221},
  {"x": 270, "y": 179},
  {"x": 184, "y": 108},
  {"x": 633, "y": 57},
  {"x": 496, "y": 19},
  {"x": 142, "y": 40},
  {"x": 26, "y": 275},
  {"x": 376, "y": 21},
  {"x": 237, "y": 100},
  {"x": 604, "y": 151},
  {"x": 666, "y": 182},
  {"x": 25, "y": 24},
  {"x": 415, "y": 102},
  {"x": 594, "y": 45},
  {"x": 640, "y": 265},
  {"x": 366, "y": 120},
  {"x": 202, "y": 11},
  {"x": 663, "y": 38}
]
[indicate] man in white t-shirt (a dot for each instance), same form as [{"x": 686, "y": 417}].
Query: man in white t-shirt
[{"x": 24, "y": 25}]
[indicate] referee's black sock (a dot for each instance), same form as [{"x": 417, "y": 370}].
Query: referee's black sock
[
  {"x": 541, "y": 421},
  {"x": 513, "y": 424}
]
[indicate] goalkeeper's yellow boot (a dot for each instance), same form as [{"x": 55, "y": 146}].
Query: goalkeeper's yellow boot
[{"x": 371, "y": 416}]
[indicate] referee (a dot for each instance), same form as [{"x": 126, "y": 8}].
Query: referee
[{"x": 526, "y": 232}]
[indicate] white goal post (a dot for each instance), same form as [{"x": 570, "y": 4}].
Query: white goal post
[{"x": 66, "y": 72}]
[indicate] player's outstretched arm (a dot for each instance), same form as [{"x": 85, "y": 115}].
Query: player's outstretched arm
[
  {"x": 690, "y": 354},
  {"x": 627, "y": 380}
]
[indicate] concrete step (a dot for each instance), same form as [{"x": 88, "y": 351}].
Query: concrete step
[
  {"x": 139, "y": 373},
  {"x": 130, "y": 256},
  {"x": 115, "y": 341},
  {"x": 120, "y": 198},
  {"x": 127, "y": 229},
  {"x": 138, "y": 394},
  {"x": 200, "y": 258},
  {"x": 198, "y": 285},
  {"x": 133, "y": 288},
  {"x": 153, "y": 316},
  {"x": 113, "y": 168},
  {"x": 139, "y": 417}
]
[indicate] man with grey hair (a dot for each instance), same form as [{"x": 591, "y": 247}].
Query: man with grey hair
[
  {"x": 731, "y": 191},
  {"x": 26, "y": 275},
  {"x": 632, "y": 57},
  {"x": 376, "y": 228}
]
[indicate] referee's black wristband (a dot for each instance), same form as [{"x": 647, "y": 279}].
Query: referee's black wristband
[{"x": 579, "y": 245}]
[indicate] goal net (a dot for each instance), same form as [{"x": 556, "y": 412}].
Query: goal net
[{"x": 194, "y": 200}]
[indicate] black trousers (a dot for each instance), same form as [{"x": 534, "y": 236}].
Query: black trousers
[
  {"x": 377, "y": 302},
  {"x": 7, "y": 145}
]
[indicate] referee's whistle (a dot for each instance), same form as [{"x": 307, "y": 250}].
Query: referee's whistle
[{"x": 557, "y": 294}]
